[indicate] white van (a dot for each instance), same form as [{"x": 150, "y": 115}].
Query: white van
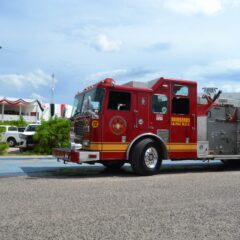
[{"x": 26, "y": 137}]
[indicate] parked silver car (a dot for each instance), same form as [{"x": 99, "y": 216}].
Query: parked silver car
[{"x": 9, "y": 134}]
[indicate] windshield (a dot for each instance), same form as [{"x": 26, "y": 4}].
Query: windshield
[
  {"x": 31, "y": 128},
  {"x": 88, "y": 102}
]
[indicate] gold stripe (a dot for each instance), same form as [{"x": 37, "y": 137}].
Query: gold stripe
[
  {"x": 182, "y": 147},
  {"x": 182, "y": 144},
  {"x": 183, "y": 150},
  {"x": 121, "y": 147},
  {"x": 108, "y": 147},
  {"x": 111, "y": 147},
  {"x": 115, "y": 151}
]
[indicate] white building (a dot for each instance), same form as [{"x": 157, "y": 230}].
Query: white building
[{"x": 31, "y": 109}]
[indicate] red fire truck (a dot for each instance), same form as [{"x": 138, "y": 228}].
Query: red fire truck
[{"x": 145, "y": 123}]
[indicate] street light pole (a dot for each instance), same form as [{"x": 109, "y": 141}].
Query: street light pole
[
  {"x": 52, "y": 107},
  {"x": 52, "y": 88}
]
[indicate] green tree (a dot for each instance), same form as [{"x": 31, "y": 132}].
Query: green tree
[
  {"x": 52, "y": 133},
  {"x": 3, "y": 146}
]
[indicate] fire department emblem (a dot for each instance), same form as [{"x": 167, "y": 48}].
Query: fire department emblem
[
  {"x": 95, "y": 124},
  {"x": 118, "y": 125}
]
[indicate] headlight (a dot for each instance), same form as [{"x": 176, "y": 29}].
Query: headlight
[
  {"x": 86, "y": 142},
  {"x": 75, "y": 146},
  {"x": 22, "y": 136}
]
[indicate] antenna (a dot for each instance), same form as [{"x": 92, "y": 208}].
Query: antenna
[{"x": 52, "y": 88}]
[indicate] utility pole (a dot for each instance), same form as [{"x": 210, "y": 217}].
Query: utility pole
[
  {"x": 52, "y": 107},
  {"x": 52, "y": 88}
]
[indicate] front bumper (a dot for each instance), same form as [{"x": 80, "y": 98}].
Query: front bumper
[
  {"x": 23, "y": 143},
  {"x": 81, "y": 156}
]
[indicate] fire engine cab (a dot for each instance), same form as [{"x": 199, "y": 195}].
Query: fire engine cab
[{"x": 144, "y": 123}]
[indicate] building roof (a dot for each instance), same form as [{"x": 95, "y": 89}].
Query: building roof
[{"x": 16, "y": 101}]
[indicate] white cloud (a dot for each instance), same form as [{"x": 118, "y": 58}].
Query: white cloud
[
  {"x": 218, "y": 67},
  {"x": 107, "y": 45},
  {"x": 189, "y": 7},
  {"x": 125, "y": 75},
  {"x": 224, "y": 75},
  {"x": 234, "y": 3},
  {"x": 204, "y": 7},
  {"x": 101, "y": 75},
  {"x": 38, "y": 97},
  {"x": 33, "y": 80}
]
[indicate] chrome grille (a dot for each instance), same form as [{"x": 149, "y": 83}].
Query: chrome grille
[{"x": 78, "y": 128}]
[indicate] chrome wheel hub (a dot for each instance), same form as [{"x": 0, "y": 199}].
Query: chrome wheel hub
[{"x": 151, "y": 157}]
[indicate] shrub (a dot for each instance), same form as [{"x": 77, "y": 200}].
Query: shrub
[
  {"x": 3, "y": 147},
  {"x": 52, "y": 133}
]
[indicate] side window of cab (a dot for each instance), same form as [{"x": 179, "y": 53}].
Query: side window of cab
[
  {"x": 160, "y": 103},
  {"x": 119, "y": 101},
  {"x": 180, "y": 100}
]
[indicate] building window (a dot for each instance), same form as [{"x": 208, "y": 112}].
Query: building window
[
  {"x": 159, "y": 103},
  {"x": 120, "y": 101}
]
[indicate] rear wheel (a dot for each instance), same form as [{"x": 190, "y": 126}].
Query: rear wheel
[
  {"x": 114, "y": 165},
  {"x": 146, "y": 157},
  {"x": 12, "y": 142}
]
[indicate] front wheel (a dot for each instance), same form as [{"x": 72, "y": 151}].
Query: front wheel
[
  {"x": 146, "y": 157},
  {"x": 12, "y": 142}
]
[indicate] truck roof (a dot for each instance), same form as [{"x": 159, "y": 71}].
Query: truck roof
[{"x": 136, "y": 85}]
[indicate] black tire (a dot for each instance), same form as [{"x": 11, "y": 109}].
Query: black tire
[
  {"x": 146, "y": 157},
  {"x": 11, "y": 142},
  {"x": 113, "y": 165}
]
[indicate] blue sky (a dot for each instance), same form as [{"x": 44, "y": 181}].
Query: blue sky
[{"x": 82, "y": 42}]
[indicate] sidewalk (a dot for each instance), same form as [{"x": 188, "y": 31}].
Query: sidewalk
[
  {"x": 26, "y": 157},
  {"x": 14, "y": 154},
  {"x": 31, "y": 166}
]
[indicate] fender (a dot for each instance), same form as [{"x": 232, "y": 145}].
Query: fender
[{"x": 151, "y": 135}]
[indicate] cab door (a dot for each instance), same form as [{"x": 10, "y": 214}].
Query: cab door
[
  {"x": 160, "y": 112},
  {"x": 117, "y": 124},
  {"x": 183, "y": 130},
  {"x": 141, "y": 113}
]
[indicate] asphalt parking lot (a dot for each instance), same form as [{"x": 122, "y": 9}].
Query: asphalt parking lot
[{"x": 43, "y": 199}]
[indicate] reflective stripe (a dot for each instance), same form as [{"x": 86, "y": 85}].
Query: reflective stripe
[
  {"x": 108, "y": 146},
  {"x": 180, "y": 147},
  {"x": 121, "y": 147}
]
